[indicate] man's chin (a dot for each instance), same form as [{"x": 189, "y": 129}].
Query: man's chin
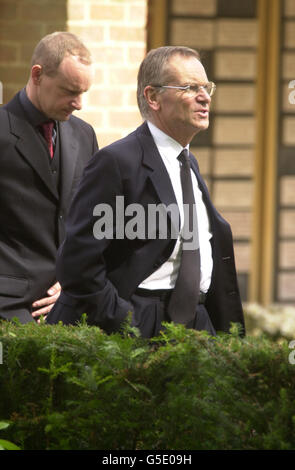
[
  {"x": 66, "y": 117},
  {"x": 63, "y": 117},
  {"x": 203, "y": 125}
]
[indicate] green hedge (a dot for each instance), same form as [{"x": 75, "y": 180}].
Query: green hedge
[{"x": 77, "y": 388}]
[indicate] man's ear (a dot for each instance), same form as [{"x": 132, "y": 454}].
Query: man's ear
[
  {"x": 152, "y": 97},
  {"x": 36, "y": 73}
]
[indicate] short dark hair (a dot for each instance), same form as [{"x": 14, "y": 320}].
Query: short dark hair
[
  {"x": 154, "y": 69},
  {"x": 51, "y": 50}
]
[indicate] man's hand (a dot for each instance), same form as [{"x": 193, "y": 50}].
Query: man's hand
[{"x": 47, "y": 303}]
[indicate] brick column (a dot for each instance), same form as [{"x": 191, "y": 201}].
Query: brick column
[{"x": 115, "y": 32}]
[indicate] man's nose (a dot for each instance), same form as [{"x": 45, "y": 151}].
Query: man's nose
[
  {"x": 77, "y": 102},
  {"x": 203, "y": 96}
]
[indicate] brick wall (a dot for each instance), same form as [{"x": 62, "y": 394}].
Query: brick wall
[
  {"x": 114, "y": 31},
  {"x": 22, "y": 24}
]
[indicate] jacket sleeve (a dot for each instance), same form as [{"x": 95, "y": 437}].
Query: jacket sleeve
[
  {"x": 81, "y": 268},
  {"x": 95, "y": 143}
]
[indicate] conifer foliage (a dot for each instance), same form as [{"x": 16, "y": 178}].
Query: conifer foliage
[{"x": 77, "y": 388}]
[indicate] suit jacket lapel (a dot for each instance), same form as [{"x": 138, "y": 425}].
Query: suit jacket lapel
[
  {"x": 69, "y": 155},
  {"x": 212, "y": 213},
  {"x": 158, "y": 174},
  {"x": 160, "y": 178},
  {"x": 30, "y": 145}
]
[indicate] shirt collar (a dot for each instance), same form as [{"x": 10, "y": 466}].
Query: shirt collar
[
  {"x": 35, "y": 117},
  {"x": 166, "y": 145}
]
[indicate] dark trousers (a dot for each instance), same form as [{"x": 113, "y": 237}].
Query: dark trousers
[{"x": 150, "y": 310}]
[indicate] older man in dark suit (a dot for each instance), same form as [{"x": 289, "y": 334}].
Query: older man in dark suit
[
  {"x": 117, "y": 257},
  {"x": 43, "y": 151}
]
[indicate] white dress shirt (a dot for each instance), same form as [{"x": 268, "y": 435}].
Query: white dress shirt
[{"x": 165, "y": 276}]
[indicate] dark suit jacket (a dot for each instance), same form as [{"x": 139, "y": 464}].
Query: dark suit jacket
[
  {"x": 98, "y": 277},
  {"x": 32, "y": 210}
]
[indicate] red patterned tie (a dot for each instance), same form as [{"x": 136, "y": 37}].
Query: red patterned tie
[{"x": 47, "y": 128}]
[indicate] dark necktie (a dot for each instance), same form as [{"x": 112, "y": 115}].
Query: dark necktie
[
  {"x": 184, "y": 299},
  {"x": 47, "y": 128}
]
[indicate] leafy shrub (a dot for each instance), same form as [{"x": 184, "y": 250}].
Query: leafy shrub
[
  {"x": 6, "y": 445},
  {"x": 66, "y": 387}
]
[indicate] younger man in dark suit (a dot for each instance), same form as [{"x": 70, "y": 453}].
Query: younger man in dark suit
[
  {"x": 116, "y": 257},
  {"x": 43, "y": 150}
]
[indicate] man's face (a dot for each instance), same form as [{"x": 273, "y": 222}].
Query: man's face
[
  {"x": 180, "y": 115},
  {"x": 58, "y": 96}
]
